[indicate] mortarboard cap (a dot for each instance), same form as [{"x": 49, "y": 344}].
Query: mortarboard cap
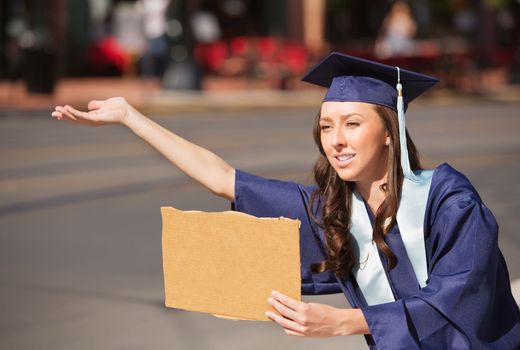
[{"x": 353, "y": 79}]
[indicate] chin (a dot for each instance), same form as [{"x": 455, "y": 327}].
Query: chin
[{"x": 347, "y": 175}]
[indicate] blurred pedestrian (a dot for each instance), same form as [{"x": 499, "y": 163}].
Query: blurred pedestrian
[
  {"x": 396, "y": 35},
  {"x": 414, "y": 251},
  {"x": 157, "y": 53}
]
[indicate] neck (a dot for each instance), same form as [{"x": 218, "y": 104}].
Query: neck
[{"x": 372, "y": 193}]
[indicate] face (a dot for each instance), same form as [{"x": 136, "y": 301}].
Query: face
[{"x": 355, "y": 140}]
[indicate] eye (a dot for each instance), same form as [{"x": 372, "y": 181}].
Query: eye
[
  {"x": 324, "y": 127},
  {"x": 352, "y": 124}
]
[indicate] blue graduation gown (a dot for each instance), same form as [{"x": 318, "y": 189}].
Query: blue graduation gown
[{"x": 467, "y": 302}]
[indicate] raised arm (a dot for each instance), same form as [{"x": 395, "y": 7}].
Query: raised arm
[{"x": 203, "y": 166}]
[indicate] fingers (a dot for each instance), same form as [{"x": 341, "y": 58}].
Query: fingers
[
  {"x": 283, "y": 310},
  {"x": 287, "y": 324},
  {"x": 57, "y": 115},
  {"x": 290, "y": 317},
  {"x": 76, "y": 113},
  {"x": 61, "y": 112},
  {"x": 289, "y": 332},
  {"x": 288, "y": 301}
]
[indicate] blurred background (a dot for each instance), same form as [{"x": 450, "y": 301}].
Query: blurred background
[
  {"x": 80, "y": 224},
  {"x": 473, "y": 45}
]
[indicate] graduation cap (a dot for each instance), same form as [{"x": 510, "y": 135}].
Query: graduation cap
[{"x": 354, "y": 79}]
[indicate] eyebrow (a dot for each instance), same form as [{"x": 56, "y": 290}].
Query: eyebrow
[{"x": 343, "y": 116}]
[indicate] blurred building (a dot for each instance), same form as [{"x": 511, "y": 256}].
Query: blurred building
[{"x": 263, "y": 40}]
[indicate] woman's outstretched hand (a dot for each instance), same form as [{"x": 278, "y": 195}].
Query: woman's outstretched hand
[
  {"x": 314, "y": 320},
  {"x": 111, "y": 111}
]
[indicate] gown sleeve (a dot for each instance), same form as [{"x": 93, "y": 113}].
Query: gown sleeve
[
  {"x": 262, "y": 197},
  {"x": 467, "y": 302}
]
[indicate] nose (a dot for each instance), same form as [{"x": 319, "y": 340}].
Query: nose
[{"x": 338, "y": 138}]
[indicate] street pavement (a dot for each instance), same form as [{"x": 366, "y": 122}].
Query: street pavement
[{"x": 80, "y": 225}]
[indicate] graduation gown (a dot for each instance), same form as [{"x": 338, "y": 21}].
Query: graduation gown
[{"x": 467, "y": 301}]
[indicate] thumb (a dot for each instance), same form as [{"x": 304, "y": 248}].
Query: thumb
[{"x": 94, "y": 104}]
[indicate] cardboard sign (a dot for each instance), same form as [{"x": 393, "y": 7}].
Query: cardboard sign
[{"x": 228, "y": 263}]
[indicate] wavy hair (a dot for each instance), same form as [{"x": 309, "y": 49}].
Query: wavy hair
[{"x": 332, "y": 201}]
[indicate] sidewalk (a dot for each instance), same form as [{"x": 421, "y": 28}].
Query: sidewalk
[{"x": 148, "y": 96}]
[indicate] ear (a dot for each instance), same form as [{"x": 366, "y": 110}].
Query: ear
[{"x": 387, "y": 141}]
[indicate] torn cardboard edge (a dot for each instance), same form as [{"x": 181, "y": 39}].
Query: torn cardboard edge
[{"x": 227, "y": 263}]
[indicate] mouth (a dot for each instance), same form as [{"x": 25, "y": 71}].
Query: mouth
[{"x": 343, "y": 160}]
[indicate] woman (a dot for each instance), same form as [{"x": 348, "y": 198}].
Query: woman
[{"x": 414, "y": 251}]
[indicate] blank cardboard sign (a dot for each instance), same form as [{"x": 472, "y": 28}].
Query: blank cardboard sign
[{"x": 227, "y": 263}]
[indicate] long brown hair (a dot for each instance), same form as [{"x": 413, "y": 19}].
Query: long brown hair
[{"x": 333, "y": 201}]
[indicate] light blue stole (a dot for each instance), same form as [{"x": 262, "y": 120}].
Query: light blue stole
[{"x": 370, "y": 274}]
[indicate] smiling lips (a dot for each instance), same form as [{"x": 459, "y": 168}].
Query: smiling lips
[{"x": 344, "y": 159}]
